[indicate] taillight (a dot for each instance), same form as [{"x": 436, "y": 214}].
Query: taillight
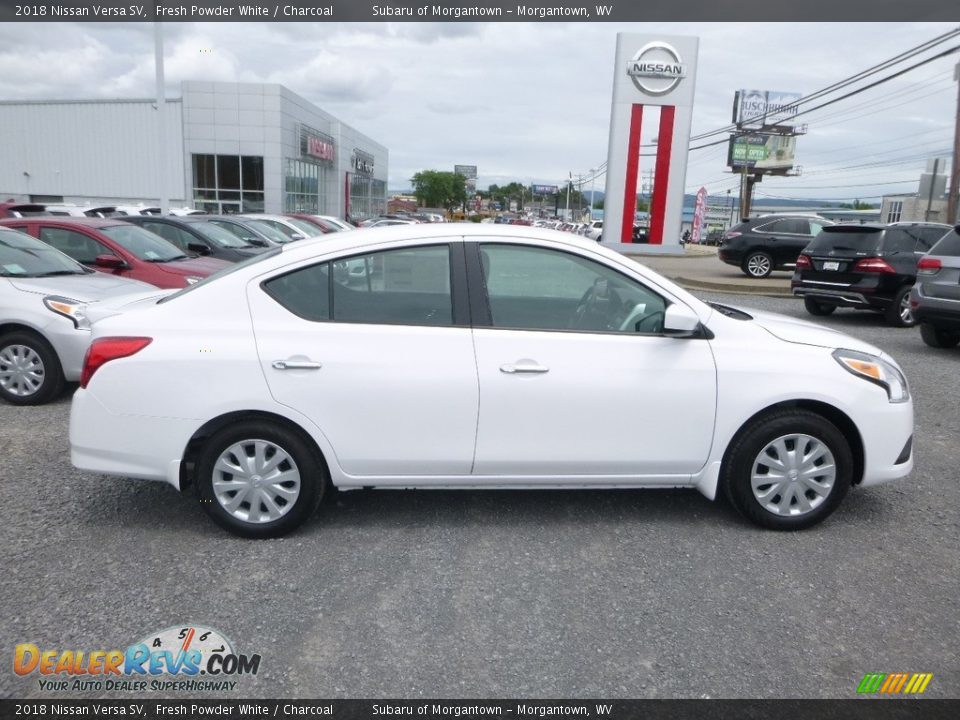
[
  {"x": 103, "y": 350},
  {"x": 929, "y": 264},
  {"x": 732, "y": 234},
  {"x": 874, "y": 264},
  {"x": 803, "y": 262}
]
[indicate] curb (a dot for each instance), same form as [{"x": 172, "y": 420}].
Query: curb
[{"x": 694, "y": 284}]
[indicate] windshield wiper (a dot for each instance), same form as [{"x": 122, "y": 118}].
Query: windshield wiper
[
  {"x": 52, "y": 273},
  {"x": 165, "y": 260}
]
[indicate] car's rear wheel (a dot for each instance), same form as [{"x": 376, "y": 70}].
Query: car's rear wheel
[
  {"x": 259, "y": 480},
  {"x": 898, "y": 313},
  {"x": 758, "y": 264},
  {"x": 30, "y": 371},
  {"x": 939, "y": 337},
  {"x": 815, "y": 307},
  {"x": 788, "y": 470}
]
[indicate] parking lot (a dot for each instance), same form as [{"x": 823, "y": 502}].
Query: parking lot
[{"x": 501, "y": 594}]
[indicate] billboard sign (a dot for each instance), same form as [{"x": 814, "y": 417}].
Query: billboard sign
[
  {"x": 544, "y": 189},
  {"x": 756, "y": 108},
  {"x": 762, "y": 152},
  {"x": 469, "y": 172}
]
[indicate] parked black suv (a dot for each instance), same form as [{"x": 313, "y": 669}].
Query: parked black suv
[
  {"x": 868, "y": 267},
  {"x": 763, "y": 244}
]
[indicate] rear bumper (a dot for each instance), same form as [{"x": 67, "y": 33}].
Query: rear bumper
[
  {"x": 869, "y": 294},
  {"x": 941, "y": 312}
]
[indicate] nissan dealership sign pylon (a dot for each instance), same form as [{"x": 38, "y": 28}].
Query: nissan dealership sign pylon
[{"x": 649, "y": 71}]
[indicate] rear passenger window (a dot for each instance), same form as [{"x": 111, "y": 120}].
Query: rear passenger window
[
  {"x": 794, "y": 227},
  {"x": 396, "y": 287}
]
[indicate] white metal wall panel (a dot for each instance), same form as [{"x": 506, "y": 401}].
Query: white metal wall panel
[{"x": 95, "y": 149}]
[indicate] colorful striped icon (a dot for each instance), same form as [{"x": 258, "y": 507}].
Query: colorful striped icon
[{"x": 894, "y": 683}]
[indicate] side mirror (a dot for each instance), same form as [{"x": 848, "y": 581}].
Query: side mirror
[
  {"x": 198, "y": 248},
  {"x": 681, "y": 322},
  {"x": 256, "y": 242},
  {"x": 109, "y": 261}
]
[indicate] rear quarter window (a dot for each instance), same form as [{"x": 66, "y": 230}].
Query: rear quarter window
[{"x": 948, "y": 246}]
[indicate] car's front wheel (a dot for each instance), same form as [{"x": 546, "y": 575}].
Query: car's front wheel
[
  {"x": 30, "y": 371},
  {"x": 259, "y": 480},
  {"x": 939, "y": 337},
  {"x": 788, "y": 470},
  {"x": 898, "y": 313},
  {"x": 758, "y": 264},
  {"x": 815, "y": 307}
]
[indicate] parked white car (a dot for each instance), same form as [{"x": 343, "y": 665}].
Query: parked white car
[
  {"x": 479, "y": 356},
  {"x": 293, "y": 228},
  {"x": 45, "y": 298},
  {"x": 594, "y": 230}
]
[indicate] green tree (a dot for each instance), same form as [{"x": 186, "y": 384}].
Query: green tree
[
  {"x": 643, "y": 205},
  {"x": 437, "y": 188}
]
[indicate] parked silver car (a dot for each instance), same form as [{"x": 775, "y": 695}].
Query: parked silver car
[
  {"x": 935, "y": 297},
  {"x": 44, "y": 329}
]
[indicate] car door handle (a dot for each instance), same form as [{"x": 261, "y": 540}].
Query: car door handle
[
  {"x": 521, "y": 367},
  {"x": 295, "y": 365}
]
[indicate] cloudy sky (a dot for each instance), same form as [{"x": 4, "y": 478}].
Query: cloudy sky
[{"x": 526, "y": 102}]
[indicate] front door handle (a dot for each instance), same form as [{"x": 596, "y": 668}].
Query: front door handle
[
  {"x": 295, "y": 365},
  {"x": 523, "y": 367}
]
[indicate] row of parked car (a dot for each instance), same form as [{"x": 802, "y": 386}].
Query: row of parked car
[
  {"x": 909, "y": 271},
  {"x": 59, "y": 263}
]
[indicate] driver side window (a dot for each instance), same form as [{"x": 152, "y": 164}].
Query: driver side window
[{"x": 534, "y": 288}]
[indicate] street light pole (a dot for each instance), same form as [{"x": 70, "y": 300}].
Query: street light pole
[
  {"x": 593, "y": 180},
  {"x": 569, "y": 183}
]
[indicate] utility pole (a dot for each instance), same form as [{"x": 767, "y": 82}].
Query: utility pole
[
  {"x": 569, "y": 183},
  {"x": 161, "y": 117},
  {"x": 955, "y": 170}
]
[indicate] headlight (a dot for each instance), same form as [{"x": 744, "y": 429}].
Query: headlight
[
  {"x": 192, "y": 279},
  {"x": 70, "y": 309},
  {"x": 875, "y": 370}
]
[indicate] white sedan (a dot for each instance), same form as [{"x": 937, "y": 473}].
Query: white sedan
[{"x": 478, "y": 356}]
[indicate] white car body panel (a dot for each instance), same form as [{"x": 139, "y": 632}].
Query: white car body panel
[{"x": 388, "y": 410}]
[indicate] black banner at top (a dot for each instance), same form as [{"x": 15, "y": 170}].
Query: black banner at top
[
  {"x": 146, "y": 708},
  {"x": 478, "y": 11}
]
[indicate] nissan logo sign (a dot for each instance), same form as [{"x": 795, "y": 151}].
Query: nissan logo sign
[{"x": 656, "y": 69}]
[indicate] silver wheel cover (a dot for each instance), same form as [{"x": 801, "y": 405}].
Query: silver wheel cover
[
  {"x": 758, "y": 265},
  {"x": 21, "y": 370},
  {"x": 793, "y": 475},
  {"x": 256, "y": 481}
]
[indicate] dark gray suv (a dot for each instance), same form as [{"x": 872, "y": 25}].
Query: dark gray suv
[{"x": 935, "y": 298}]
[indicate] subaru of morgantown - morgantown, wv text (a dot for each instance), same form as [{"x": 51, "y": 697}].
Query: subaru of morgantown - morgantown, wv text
[{"x": 478, "y": 356}]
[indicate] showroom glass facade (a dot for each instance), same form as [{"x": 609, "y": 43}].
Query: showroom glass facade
[
  {"x": 227, "y": 184},
  {"x": 368, "y": 196},
  {"x": 307, "y": 177}
]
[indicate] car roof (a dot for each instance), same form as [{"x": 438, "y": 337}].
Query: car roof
[{"x": 91, "y": 222}]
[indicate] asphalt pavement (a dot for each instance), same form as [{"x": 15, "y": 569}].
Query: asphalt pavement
[{"x": 612, "y": 594}]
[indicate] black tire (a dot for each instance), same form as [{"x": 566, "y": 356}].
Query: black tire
[
  {"x": 23, "y": 344},
  {"x": 898, "y": 313},
  {"x": 305, "y": 458},
  {"x": 745, "y": 450},
  {"x": 814, "y": 307},
  {"x": 939, "y": 337},
  {"x": 757, "y": 264}
]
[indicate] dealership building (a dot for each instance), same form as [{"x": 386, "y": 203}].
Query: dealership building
[{"x": 223, "y": 148}]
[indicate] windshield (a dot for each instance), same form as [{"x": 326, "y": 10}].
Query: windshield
[
  {"x": 853, "y": 238},
  {"x": 269, "y": 231},
  {"x": 23, "y": 256},
  {"x": 218, "y": 236},
  {"x": 142, "y": 243},
  {"x": 306, "y": 228}
]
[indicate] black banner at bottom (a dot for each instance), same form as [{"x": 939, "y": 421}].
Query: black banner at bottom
[{"x": 854, "y": 709}]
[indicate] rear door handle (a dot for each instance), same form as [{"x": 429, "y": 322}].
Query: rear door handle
[
  {"x": 523, "y": 367},
  {"x": 295, "y": 365}
]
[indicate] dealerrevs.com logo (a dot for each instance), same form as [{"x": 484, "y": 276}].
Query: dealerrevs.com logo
[{"x": 190, "y": 658}]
